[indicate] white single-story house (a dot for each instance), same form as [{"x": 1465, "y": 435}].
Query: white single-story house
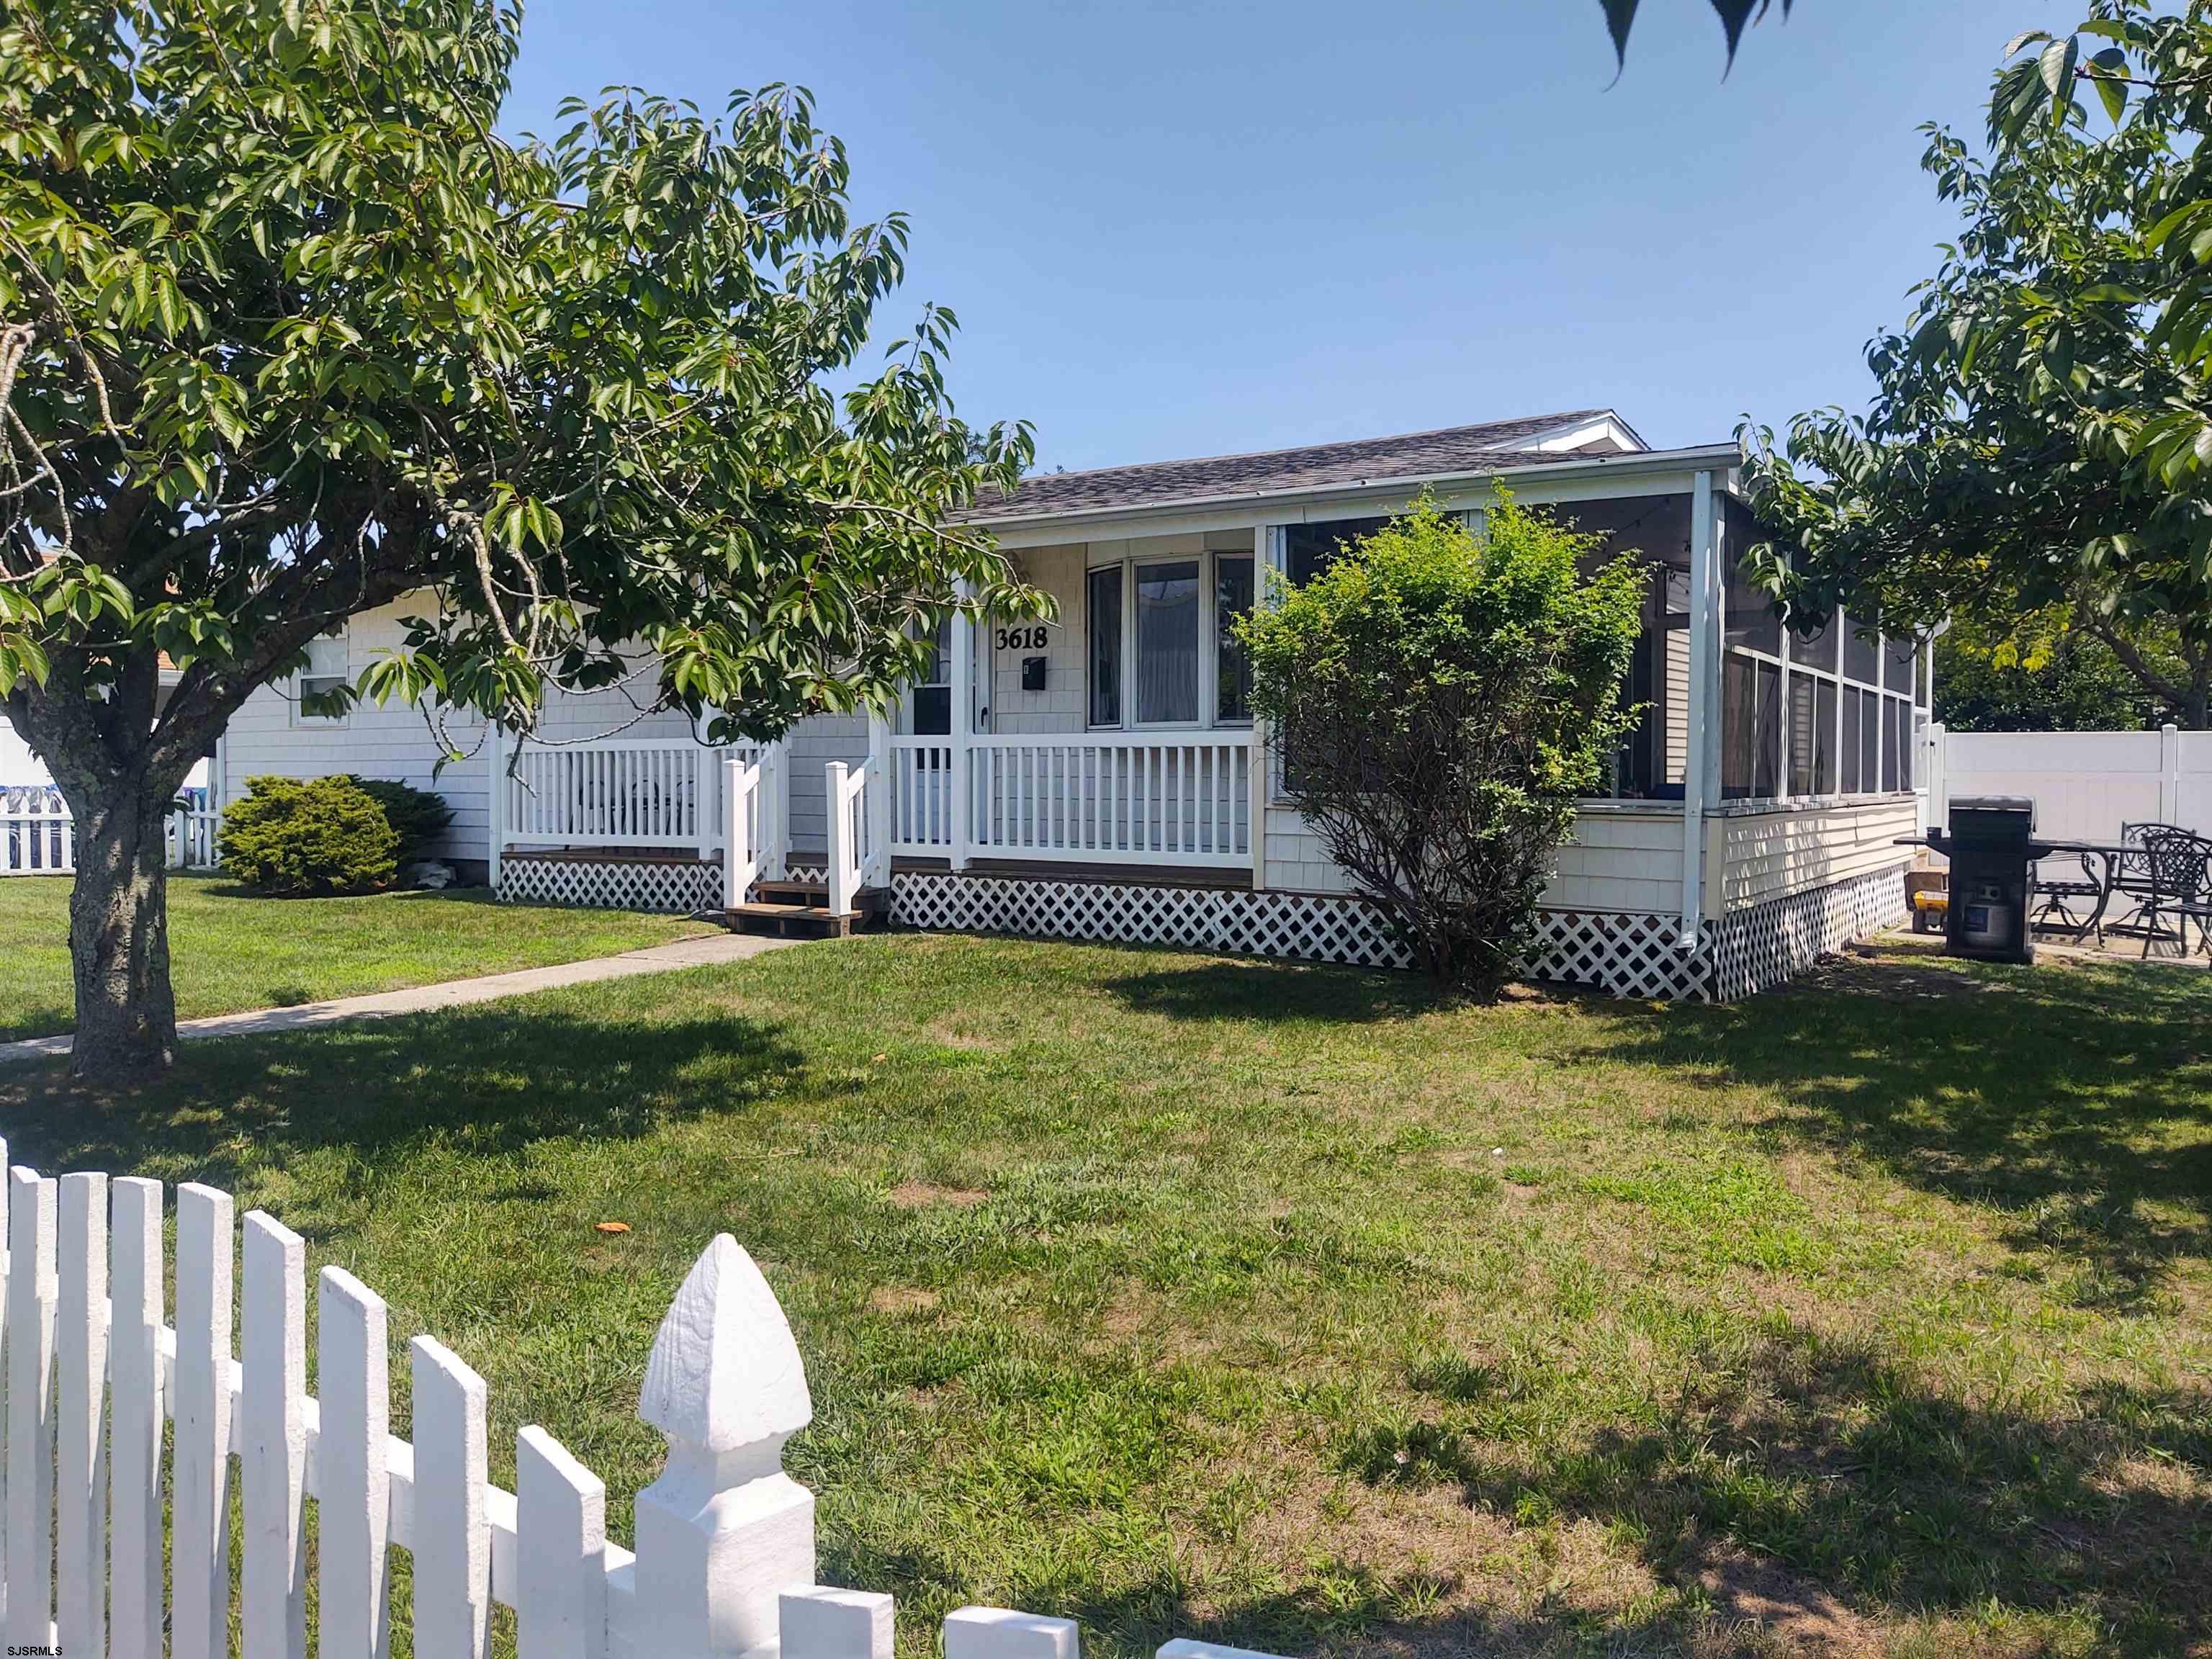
[{"x": 1100, "y": 776}]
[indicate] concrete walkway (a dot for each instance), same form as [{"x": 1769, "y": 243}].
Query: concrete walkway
[{"x": 456, "y": 993}]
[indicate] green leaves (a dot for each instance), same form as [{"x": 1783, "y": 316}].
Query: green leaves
[
  {"x": 2041, "y": 435},
  {"x": 357, "y": 346},
  {"x": 1735, "y": 16}
]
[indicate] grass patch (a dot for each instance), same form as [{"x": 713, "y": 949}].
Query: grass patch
[
  {"x": 231, "y": 951},
  {"x": 1292, "y": 1308}
]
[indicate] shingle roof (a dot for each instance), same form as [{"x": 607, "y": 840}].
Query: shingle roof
[{"x": 1491, "y": 446}]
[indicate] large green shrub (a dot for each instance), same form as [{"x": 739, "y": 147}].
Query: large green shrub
[
  {"x": 308, "y": 837},
  {"x": 1442, "y": 699},
  {"x": 416, "y": 817}
]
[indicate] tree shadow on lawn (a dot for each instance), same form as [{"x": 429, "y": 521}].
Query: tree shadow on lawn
[
  {"x": 2077, "y": 1099},
  {"x": 1211, "y": 989},
  {"x": 1850, "y": 1476},
  {"x": 484, "y": 1081}
]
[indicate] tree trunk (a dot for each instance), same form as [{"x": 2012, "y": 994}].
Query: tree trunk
[{"x": 126, "y": 1012}]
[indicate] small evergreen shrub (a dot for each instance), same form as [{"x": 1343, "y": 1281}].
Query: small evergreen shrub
[
  {"x": 309, "y": 837},
  {"x": 417, "y": 817}
]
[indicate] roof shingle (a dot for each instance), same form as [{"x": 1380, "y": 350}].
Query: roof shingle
[{"x": 1491, "y": 446}]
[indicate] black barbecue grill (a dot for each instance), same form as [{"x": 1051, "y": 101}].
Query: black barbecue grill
[{"x": 1992, "y": 844}]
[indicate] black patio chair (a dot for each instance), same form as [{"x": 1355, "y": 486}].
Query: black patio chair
[
  {"x": 2131, "y": 876},
  {"x": 2180, "y": 870},
  {"x": 2058, "y": 898}
]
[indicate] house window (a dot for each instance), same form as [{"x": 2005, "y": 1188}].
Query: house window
[
  {"x": 325, "y": 672},
  {"x": 1232, "y": 597},
  {"x": 1169, "y": 619},
  {"x": 1167, "y": 643},
  {"x": 932, "y": 703},
  {"x": 1104, "y": 604}
]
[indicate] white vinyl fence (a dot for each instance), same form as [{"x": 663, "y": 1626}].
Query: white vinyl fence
[
  {"x": 724, "y": 1564},
  {"x": 38, "y": 836},
  {"x": 2086, "y": 785}
]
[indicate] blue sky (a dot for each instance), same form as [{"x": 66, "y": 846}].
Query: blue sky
[{"x": 1183, "y": 229}]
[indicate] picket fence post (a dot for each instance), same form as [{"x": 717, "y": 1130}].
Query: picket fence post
[
  {"x": 31, "y": 1297},
  {"x": 724, "y": 1531}
]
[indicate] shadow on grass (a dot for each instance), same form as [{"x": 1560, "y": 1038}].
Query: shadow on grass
[
  {"x": 1234, "y": 991},
  {"x": 1824, "y": 1457},
  {"x": 482, "y": 1081},
  {"x": 2076, "y": 1099}
]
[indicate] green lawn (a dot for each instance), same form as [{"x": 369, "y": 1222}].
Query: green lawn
[
  {"x": 1290, "y": 1307},
  {"x": 230, "y": 951}
]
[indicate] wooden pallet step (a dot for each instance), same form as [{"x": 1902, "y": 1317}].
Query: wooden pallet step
[{"x": 787, "y": 920}]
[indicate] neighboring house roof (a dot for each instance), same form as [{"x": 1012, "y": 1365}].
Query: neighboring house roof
[{"x": 1490, "y": 447}]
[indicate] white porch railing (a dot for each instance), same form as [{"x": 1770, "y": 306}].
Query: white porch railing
[
  {"x": 922, "y": 796},
  {"x": 751, "y": 808},
  {"x": 195, "y": 839},
  {"x": 37, "y": 834},
  {"x": 103, "y": 1391},
  {"x": 860, "y": 850},
  {"x": 1181, "y": 801},
  {"x": 615, "y": 792}
]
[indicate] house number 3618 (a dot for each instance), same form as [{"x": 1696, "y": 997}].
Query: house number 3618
[{"x": 1023, "y": 639}]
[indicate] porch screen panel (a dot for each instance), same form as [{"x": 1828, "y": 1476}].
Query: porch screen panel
[
  {"x": 1852, "y": 785},
  {"x": 1103, "y": 602},
  {"x": 1830, "y": 779},
  {"x": 1167, "y": 642},
  {"x": 1862, "y": 653},
  {"x": 1870, "y": 741},
  {"x": 1311, "y": 549},
  {"x": 1751, "y": 728}
]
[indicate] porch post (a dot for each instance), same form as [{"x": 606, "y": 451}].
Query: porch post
[
  {"x": 1700, "y": 779},
  {"x": 876, "y": 803},
  {"x": 961, "y": 808},
  {"x": 1935, "y": 791},
  {"x": 1268, "y": 541},
  {"x": 704, "y": 796},
  {"x": 495, "y": 801}
]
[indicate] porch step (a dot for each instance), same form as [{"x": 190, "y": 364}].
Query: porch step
[
  {"x": 793, "y": 920},
  {"x": 801, "y": 909},
  {"x": 791, "y": 892}
]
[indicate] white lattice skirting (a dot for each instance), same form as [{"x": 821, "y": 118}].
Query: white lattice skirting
[
  {"x": 1763, "y": 946},
  {"x": 673, "y": 889},
  {"x": 1309, "y": 926},
  {"x": 1625, "y": 954}
]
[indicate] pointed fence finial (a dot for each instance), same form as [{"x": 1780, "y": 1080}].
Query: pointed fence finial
[
  {"x": 724, "y": 1531},
  {"x": 725, "y": 1372}
]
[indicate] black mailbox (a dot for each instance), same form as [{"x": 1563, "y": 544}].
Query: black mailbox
[{"x": 1992, "y": 847}]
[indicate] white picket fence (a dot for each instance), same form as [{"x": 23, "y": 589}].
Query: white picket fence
[
  {"x": 38, "y": 835},
  {"x": 724, "y": 1564}
]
